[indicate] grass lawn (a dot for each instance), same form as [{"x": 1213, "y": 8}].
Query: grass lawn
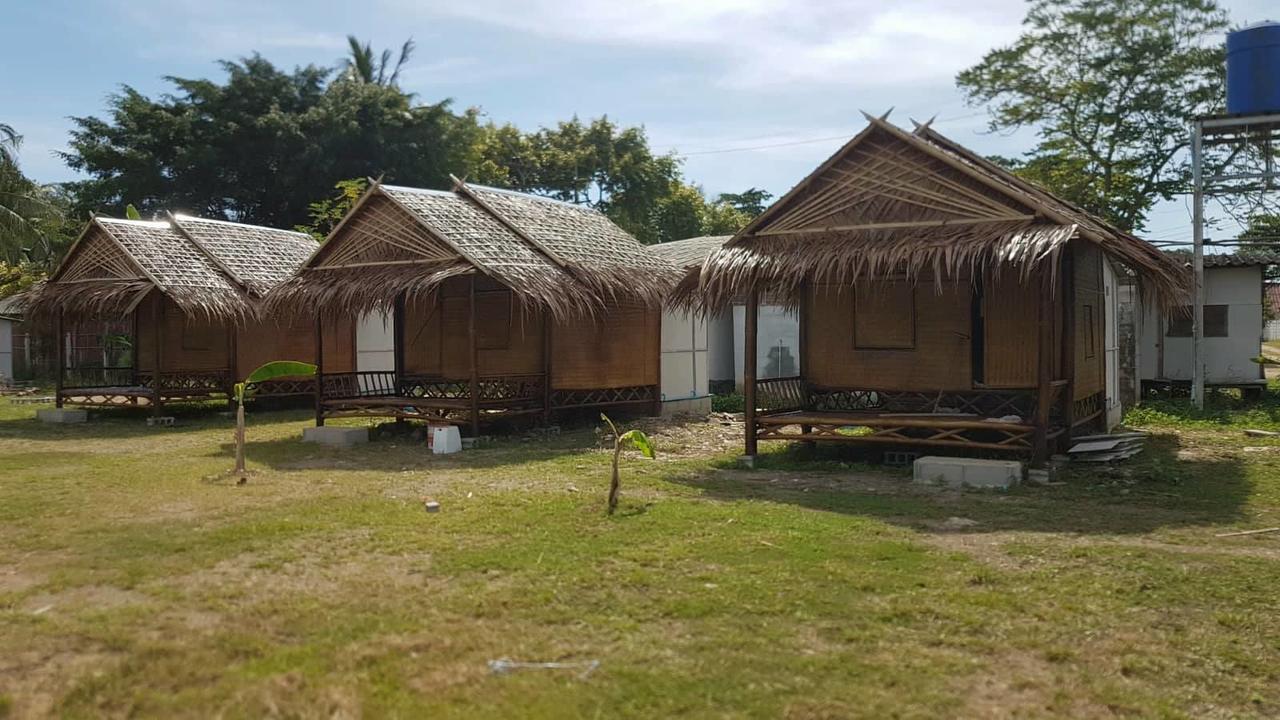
[{"x": 136, "y": 580}]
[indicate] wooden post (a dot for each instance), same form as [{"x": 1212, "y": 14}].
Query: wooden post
[
  {"x": 133, "y": 355},
  {"x": 397, "y": 349},
  {"x": 749, "y": 351},
  {"x": 319, "y": 386},
  {"x": 397, "y": 336},
  {"x": 548, "y": 323},
  {"x": 475, "y": 365},
  {"x": 1068, "y": 347},
  {"x": 1044, "y": 368},
  {"x": 656, "y": 409},
  {"x": 157, "y": 318},
  {"x": 62, "y": 361},
  {"x": 804, "y": 352},
  {"x": 233, "y": 367}
]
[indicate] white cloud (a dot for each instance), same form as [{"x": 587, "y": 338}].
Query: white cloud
[{"x": 761, "y": 43}]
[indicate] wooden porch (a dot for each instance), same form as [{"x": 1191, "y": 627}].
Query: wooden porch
[{"x": 790, "y": 410}]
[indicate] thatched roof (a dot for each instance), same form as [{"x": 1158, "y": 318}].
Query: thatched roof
[
  {"x": 257, "y": 258},
  {"x": 211, "y": 268},
  {"x": 891, "y": 202},
  {"x": 690, "y": 252},
  {"x": 1240, "y": 258},
  {"x": 564, "y": 259}
]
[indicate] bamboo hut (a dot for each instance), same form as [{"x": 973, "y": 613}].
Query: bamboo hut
[
  {"x": 944, "y": 302},
  {"x": 191, "y": 291},
  {"x": 501, "y": 305}
]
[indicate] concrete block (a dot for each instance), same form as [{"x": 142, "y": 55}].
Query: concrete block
[
  {"x": 65, "y": 416},
  {"x": 343, "y": 437},
  {"x": 686, "y": 406},
  {"x": 162, "y": 421},
  {"x": 967, "y": 472}
]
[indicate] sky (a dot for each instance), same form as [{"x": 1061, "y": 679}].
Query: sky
[{"x": 751, "y": 93}]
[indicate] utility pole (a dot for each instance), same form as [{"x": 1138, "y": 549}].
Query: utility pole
[{"x": 1197, "y": 264}]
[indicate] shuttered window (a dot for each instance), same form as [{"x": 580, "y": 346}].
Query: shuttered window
[
  {"x": 197, "y": 335},
  {"x": 884, "y": 317},
  {"x": 1215, "y": 321}
]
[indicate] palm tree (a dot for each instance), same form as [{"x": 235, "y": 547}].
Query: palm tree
[
  {"x": 9, "y": 142},
  {"x": 362, "y": 66}
]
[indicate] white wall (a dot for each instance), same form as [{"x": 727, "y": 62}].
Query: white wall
[
  {"x": 778, "y": 338},
  {"x": 1227, "y": 360},
  {"x": 684, "y": 356},
  {"x": 375, "y": 343},
  {"x": 6, "y": 351}
]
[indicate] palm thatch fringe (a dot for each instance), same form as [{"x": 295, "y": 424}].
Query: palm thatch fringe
[
  {"x": 346, "y": 291},
  {"x": 780, "y": 266},
  {"x": 116, "y": 298}
]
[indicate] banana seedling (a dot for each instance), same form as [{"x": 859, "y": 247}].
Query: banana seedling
[
  {"x": 631, "y": 438},
  {"x": 270, "y": 371}
]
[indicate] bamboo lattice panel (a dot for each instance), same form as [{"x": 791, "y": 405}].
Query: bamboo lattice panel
[
  {"x": 382, "y": 231},
  {"x": 884, "y": 179},
  {"x": 98, "y": 258}
]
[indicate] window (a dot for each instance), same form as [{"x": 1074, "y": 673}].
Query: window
[
  {"x": 1215, "y": 321},
  {"x": 884, "y": 317},
  {"x": 493, "y": 320},
  {"x": 200, "y": 335},
  {"x": 1090, "y": 334}
]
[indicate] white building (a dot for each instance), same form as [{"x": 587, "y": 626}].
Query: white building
[
  {"x": 1233, "y": 328},
  {"x": 696, "y": 350},
  {"x": 9, "y": 319},
  {"x": 700, "y": 353}
]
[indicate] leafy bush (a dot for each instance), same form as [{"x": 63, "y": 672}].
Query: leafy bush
[{"x": 732, "y": 402}]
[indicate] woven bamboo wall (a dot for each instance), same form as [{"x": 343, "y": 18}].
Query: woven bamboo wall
[
  {"x": 509, "y": 341},
  {"x": 1090, "y": 317},
  {"x": 1011, "y": 308},
  {"x": 940, "y": 360},
  {"x": 188, "y": 343},
  {"x": 263, "y": 341},
  {"x": 620, "y": 349}
]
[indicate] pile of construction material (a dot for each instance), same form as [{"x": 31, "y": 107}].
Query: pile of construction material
[{"x": 1107, "y": 447}]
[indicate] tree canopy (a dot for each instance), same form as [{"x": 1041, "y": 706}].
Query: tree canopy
[
  {"x": 1111, "y": 87},
  {"x": 261, "y": 146}
]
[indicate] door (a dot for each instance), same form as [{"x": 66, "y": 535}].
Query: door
[{"x": 1111, "y": 344}]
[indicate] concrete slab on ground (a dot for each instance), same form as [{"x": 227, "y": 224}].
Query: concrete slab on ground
[
  {"x": 967, "y": 472},
  {"x": 343, "y": 437},
  {"x": 63, "y": 416}
]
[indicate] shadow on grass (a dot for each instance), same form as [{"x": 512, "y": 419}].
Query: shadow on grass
[
  {"x": 394, "y": 450},
  {"x": 1154, "y": 490},
  {"x": 125, "y": 422}
]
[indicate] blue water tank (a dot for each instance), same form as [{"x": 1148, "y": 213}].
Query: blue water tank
[{"x": 1253, "y": 69}]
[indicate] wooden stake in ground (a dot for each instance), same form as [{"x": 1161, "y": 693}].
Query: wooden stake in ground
[{"x": 634, "y": 438}]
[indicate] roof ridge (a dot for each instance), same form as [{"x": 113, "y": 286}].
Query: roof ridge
[
  {"x": 460, "y": 187},
  {"x": 197, "y": 218},
  {"x": 213, "y": 257}
]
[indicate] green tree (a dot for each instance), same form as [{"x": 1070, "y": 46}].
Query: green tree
[
  {"x": 1110, "y": 86},
  {"x": 262, "y": 145},
  {"x": 362, "y": 66},
  {"x": 751, "y": 201},
  {"x": 600, "y": 164},
  {"x": 33, "y": 227},
  {"x": 327, "y": 213},
  {"x": 1262, "y": 235}
]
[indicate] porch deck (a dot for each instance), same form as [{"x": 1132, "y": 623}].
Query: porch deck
[
  {"x": 384, "y": 394},
  {"x": 999, "y": 420},
  {"x": 936, "y": 429}
]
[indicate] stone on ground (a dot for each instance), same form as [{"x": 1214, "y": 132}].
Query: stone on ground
[
  {"x": 342, "y": 437},
  {"x": 967, "y": 472},
  {"x": 62, "y": 415}
]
